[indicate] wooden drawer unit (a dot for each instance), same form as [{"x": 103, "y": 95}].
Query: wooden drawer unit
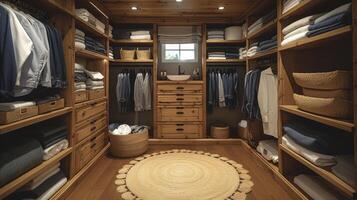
[
  {"x": 88, "y": 150},
  {"x": 179, "y": 130},
  {"x": 80, "y": 96},
  {"x": 50, "y": 106},
  {"x": 90, "y": 110},
  {"x": 180, "y": 99},
  {"x": 90, "y": 127},
  {"x": 180, "y": 88},
  {"x": 18, "y": 114},
  {"x": 179, "y": 113},
  {"x": 96, "y": 94}
]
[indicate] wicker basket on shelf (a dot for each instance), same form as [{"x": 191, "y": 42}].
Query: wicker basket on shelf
[
  {"x": 143, "y": 54},
  {"x": 330, "y": 107},
  {"x": 127, "y": 54}
]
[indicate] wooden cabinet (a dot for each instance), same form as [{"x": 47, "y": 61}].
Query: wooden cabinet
[
  {"x": 90, "y": 110},
  {"x": 180, "y": 110}
]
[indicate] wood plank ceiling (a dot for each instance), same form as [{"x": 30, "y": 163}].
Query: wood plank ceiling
[{"x": 170, "y": 10}]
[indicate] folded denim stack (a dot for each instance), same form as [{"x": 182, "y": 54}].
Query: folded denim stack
[
  {"x": 79, "y": 39},
  {"x": 215, "y": 35},
  {"x": 290, "y": 4},
  {"x": 94, "y": 45},
  {"x": 257, "y": 25},
  {"x": 95, "y": 80},
  {"x": 140, "y": 35},
  {"x": 317, "y": 24},
  {"x": 267, "y": 44},
  {"x": 217, "y": 55},
  {"x": 242, "y": 53},
  {"x": 80, "y": 77},
  {"x": 252, "y": 49}
]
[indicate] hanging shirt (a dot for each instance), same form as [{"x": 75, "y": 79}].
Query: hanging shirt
[
  {"x": 138, "y": 92},
  {"x": 147, "y": 92},
  {"x": 221, "y": 91}
]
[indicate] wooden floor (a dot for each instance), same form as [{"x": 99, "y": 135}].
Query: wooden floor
[{"x": 99, "y": 182}]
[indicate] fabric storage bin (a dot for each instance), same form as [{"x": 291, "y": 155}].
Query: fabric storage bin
[
  {"x": 127, "y": 54},
  {"x": 18, "y": 114},
  {"x": 325, "y": 80},
  {"x": 220, "y": 131},
  {"x": 233, "y": 33},
  {"x": 331, "y": 107},
  {"x": 143, "y": 54},
  {"x": 50, "y": 106},
  {"x": 341, "y": 94},
  {"x": 129, "y": 145}
]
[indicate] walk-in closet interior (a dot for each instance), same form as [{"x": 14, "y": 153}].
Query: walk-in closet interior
[{"x": 178, "y": 99}]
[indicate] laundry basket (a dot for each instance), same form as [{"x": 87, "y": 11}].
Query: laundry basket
[
  {"x": 127, "y": 54},
  {"x": 220, "y": 131},
  {"x": 143, "y": 54}
]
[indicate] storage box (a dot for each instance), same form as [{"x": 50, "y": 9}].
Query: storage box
[
  {"x": 50, "y": 106},
  {"x": 18, "y": 114}
]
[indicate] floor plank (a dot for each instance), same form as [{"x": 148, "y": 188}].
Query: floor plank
[{"x": 99, "y": 182}]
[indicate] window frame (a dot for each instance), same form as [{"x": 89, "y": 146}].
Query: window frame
[{"x": 163, "y": 53}]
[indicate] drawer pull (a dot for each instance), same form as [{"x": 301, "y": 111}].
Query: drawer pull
[
  {"x": 179, "y": 129},
  {"x": 180, "y": 99},
  {"x": 180, "y": 113},
  {"x": 93, "y": 145},
  {"x": 93, "y": 128},
  {"x": 93, "y": 139},
  {"x": 179, "y": 108},
  {"x": 93, "y": 122},
  {"x": 83, "y": 114},
  {"x": 180, "y": 88},
  {"x": 179, "y": 95},
  {"x": 179, "y": 124},
  {"x": 53, "y": 103}
]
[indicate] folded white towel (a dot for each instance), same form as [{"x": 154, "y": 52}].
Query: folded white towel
[
  {"x": 340, "y": 9},
  {"x": 314, "y": 187},
  {"x": 80, "y": 67},
  {"x": 55, "y": 149},
  {"x": 300, "y": 23},
  {"x": 293, "y": 38},
  {"x": 140, "y": 33},
  {"x": 79, "y": 45},
  {"x": 318, "y": 159},
  {"x": 297, "y": 31},
  {"x": 140, "y": 37},
  {"x": 15, "y": 105}
]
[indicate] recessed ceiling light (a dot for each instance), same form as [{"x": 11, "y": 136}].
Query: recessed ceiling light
[
  {"x": 178, "y": 0},
  {"x": 221, "y": 8},
  {"x": 134, "y": 8}
]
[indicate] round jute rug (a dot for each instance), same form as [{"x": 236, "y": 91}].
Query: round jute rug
[{"x": 183, "y": 175}]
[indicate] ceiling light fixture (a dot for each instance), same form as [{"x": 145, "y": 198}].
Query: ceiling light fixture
[
  {"x": 178, "y": 0},
  {"x": 221, "y": 8},
  {"x": 134, "y": 8}
]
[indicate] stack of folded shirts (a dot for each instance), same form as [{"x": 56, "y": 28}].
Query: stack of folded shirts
[
  {"x": 267, "y": 44},
  {"x": 232, "y": 53},
  {"x": 100, "y": 26},
  {"x": 5, "y": 107},
  {"x": 110, "y": 31},
  {"x": 43, "y": 187},
  {"x": 215, "y": 35},
  {"x": 317, "y": 24},
  {"x": 111, "y": 53},
  {"x": 217, "y": 55},
  {"x": 94, "y": 45},
  {"x": 80, "y": 77},
  {"x": 79, "y": 39},
  {"x": 242, "y": 53},
  {"x": 140, "y": 35},
  {"x": 257, "y": 25},
  {"x": 252, "y": 49},
  {"x": 86, "y": 16},
  {"x": 345, "y": 169},
  {"x": 95, "y": 80},
  {"x": 18, "y": 154},
  {"x": 269, "y": 150},
  {"x": 80, "y": 86},
  {"x": 290, "y": 4},
  {"x": 314, "y": 187}
]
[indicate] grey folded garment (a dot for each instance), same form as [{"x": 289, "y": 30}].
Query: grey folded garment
[
  {"x": 314, "y": 187},
  {"x": 345, "y": 169},
  {"x": 15, "y": 105},
  {"x": 90, "y": 82},
  {"x": 94, "y": 75},
  {"x": 42, "y": 177},
  {"x": 80, "y": 33}
]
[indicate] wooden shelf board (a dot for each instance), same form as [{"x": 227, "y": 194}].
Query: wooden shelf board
[
  {"x": 131, "y": 42},
  {"x": 337, "y": 123},
  {"x": 263, "y": 54},
  {"x": 33, "y": 173},
  {"x": 88, "y": 28},
  {"x": 90, "y": 54},
  {"x": 226, "y": 42},
  {"x": 179, "y": 82},
  {"x": 32, "y": 120},
  {"x": 66, "y": 189},
  {"x": 325, "y": 174},
  {"x": 318, "y": 39},
  {"x": 270, "y": 27},
  {"x": 225, "y": 60},
  {"x": 131, "y": 61},
  {"x": 301, "y": 8},
  {"x": 50, "y": 5}
]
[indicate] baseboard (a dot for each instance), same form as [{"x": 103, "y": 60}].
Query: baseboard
[{"x": 194, "y": 141}]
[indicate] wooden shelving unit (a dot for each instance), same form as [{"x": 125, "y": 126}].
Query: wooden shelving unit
[
  {"x": 301, "y": 8},
  {"x": 88, "y": 28},
  {"x": 131, "y": 42},
  {"x": 226, "y": 42},
  {"x": 225, "y": 61},
  {"x": 268, "y": 28},
  {"x": 90, "y": 54},
  {"x": 118, "y": 61},
  {"x": 263, "y": 54}
]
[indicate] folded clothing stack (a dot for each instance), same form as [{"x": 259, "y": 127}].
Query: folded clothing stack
[
  {"x": 125, "y": 129},
  {"x": 317, "y": 24},
  {"x": 100, "y": 26},
  {"x": 215, "y": 35},
  {"x": 111, "y": 53},
  {"x": 140, "y": 35},
  {"x": 217, "y": 55},
  {"x": 79, "y": 39},
  {"x": 94, "y": 45},
  {"x": 314, "y": 187},
  {"x": 9, "y": 106},
  {"x": 242, "y": 53},
  {"x": 267, "y": 44},
  {"x": 269, "y": 150},
  {"x": 95, "y": 80},
  {"x": 290, "y": 4},
  {"x": 43, "y": 187},
  {"x": 86, "y": 16},
  {"x": 252, "y": 49},
  {"x": 110, "y": 31},
  {"x": 257, "y": 25},
  {"x": 80, "y": 77},
  {"x": 18, "y": 154}
]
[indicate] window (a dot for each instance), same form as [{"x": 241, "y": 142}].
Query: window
[{"x": 185, "y": 52}]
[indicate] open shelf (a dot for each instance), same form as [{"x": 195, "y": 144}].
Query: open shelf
[
  {"x": 88, "y": 28},
  {"x": 318, "y": 39},
  {"x": 325, "y": 174},
  {"x": 131, "y": 42},
  {"x": 33, "y": 173},
  {"x": 263, "y": 54},
  {"x": 268, "y": 28},
  {"x": 226, "y": 42},
  {"x": 32, "y": 120},
  {"x": 225, "y": 60},
  {"x": 131, "y": 61},
  {"x": 90, "y": 54},
  {"x": 337, "y": 123},
  {"x": 301, "y": 8}
]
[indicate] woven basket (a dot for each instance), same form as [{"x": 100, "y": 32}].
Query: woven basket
[
  {"x": 129, "y": 145},
  {"x": 220, "y": 131},
  {"x": 325, "y": 80},
  {"x": 127, "y": 54},
  {"x": 340, "y": 94},
  {"x": 330, "y": 107},
  {"x": 143, "y": 54}
]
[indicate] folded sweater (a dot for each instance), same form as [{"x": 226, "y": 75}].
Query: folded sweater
[{"x": 300, "y": 23}]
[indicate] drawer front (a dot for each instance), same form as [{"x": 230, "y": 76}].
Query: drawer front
[
  {"x": 96, "y": 94},
  {"x": 18, "y": 114},
  {"x": 180, "y": 88},
  {"x": 180, "y": 98},
  {"x": 99, "y": 143},
  {"x": 89, "y": 111},
  {"x": 180, "y": 130},
  {"x": 51, "y": 106},
  {"x": 179, "y": 113},
  {"x": 90, "y": 128},
  {"x": 80, "y": 96}
]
